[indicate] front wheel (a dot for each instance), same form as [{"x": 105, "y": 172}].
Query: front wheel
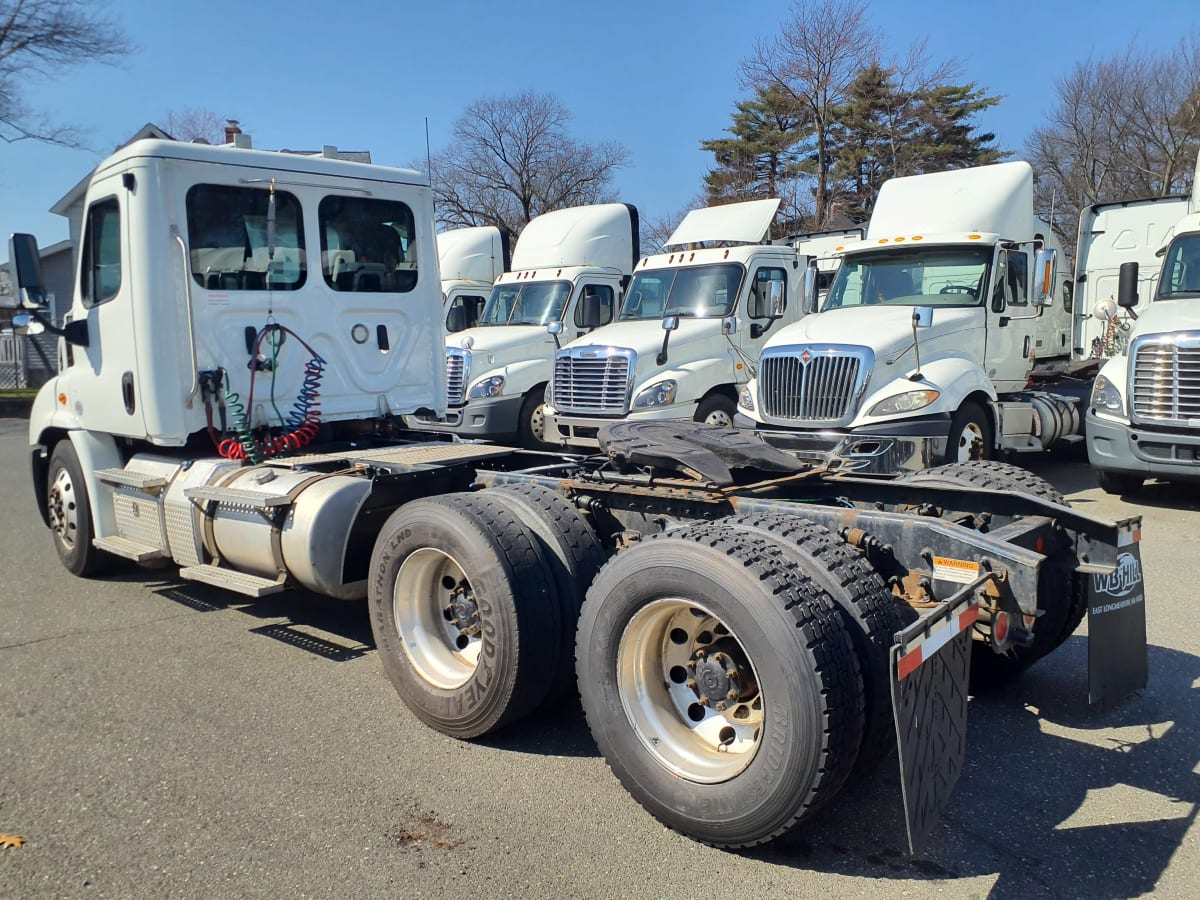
[
  {"x": 1119, "y": 483},
  {"x": 720, "y": 684},
  {"x": 970, "y": 435},
  {"x": 69, "y": 511},
  {"x": 531, "y": 426},
  {"x": 716, "y": 409}
]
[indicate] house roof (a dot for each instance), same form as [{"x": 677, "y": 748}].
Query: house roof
[
  {"x": 358, "y": 156},
  {"x": 75, "y": 194}
]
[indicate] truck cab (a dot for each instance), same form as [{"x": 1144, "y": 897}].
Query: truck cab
[
  {"x": 929, "y": 332},
  {"x": 470, "y": 260},
  {"x": 1143, "y": 420},
  {"x": 825, "y": 248},
  {"x": 497, "y": 370},
  {"x": 689, "y": 331}
]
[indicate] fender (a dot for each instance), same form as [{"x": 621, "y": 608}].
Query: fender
[
  {"x": 954, "y": 377},
  {"x": 696, "y": 377},
  {"x": 97, "y": 451},
  {"x": 520, "y": 377}
]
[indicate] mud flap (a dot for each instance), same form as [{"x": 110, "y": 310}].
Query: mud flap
[
  {"x": 931, "y": 662},
  {"x": 1117, "y": 664}
]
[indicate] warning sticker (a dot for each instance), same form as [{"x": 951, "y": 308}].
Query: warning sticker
[{"x": 961, "y": 570}]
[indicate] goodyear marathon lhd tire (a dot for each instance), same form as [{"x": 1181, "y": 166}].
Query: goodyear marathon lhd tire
[
  {"x": 872, "y": 615},
  {"x": 464, "y": 613},
  {"x": 719, "y": 683}
]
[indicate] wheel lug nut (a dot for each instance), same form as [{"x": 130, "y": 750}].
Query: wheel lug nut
[
  {"x": 691, "y": 683},
  {"x": 721, "y": 707},
  {"x": 704, "y": 699},
  {"x": 700, "y": 654},
  {"x": 732, "y": 695}
]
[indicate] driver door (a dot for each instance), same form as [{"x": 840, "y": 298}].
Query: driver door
[{"x": 1010, "y": 321}]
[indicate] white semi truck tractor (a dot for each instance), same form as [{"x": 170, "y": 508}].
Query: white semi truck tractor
[
  {"x": 497, "y": 370},
  {"x": 944, "y": 337},
  {"x": 1143, "y": 420},
  {"x": 470, "y": 260},
  {"x": 689, "y": 331},
  {"x": 748, "y": 632}
]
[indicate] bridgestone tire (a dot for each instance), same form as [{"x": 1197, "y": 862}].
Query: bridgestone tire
[
  {"x": 519, "y": 643},
  {"x": 572, "y": 553},
  {"x": 808, "y": 686},
  {"x": 872, "y": 614},
  {"x": 1062, "y": 593},
  {"x": 70, "y": 512}
]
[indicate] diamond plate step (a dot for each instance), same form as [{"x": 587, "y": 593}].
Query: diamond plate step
[
  {"x": 236, "y": 497},
  {"x": 242, "y": 583},
  {"x": 142, "y": 481},
  {"x": 123, "y": 546}
]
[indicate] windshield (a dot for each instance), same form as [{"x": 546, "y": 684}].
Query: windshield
[
  {"x": 529, "y": 303},
  {"x": 935, "y": 276},
  {"x": 1181, "y": 269},
  {"x": 695, "y": 293}
]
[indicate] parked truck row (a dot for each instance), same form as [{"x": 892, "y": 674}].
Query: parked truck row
[{"x": 749, "y": 629}]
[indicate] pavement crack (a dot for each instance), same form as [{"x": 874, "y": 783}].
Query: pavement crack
[{"x": 91, "y": 631}]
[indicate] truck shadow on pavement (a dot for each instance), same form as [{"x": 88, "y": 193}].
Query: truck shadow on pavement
[{"x": 1042, "y": 803}]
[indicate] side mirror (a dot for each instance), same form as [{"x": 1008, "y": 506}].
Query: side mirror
[
  {"x": 778, "y": 299},
  {"x": 554, "y": 328},
  {"x": 24, "y": 323},
  {"x": 456, "y": 319},
  {"x": 729, "y": 325},
  {"x": 1105, "y": 309},
  {"x": 591, "y": 310},
  {"x": 1127, "y": 285},
  {"x": 808, "y": 298},
  {"x": 670, "y": 323},
  {"x": 26, "y": 264},
  {"x": 1045, "y": 269},
  {"x": 922, "y": 316}
]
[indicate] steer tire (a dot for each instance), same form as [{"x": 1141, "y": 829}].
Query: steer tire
[
  {"x": 1062, "y": 593},
  {"x": 70, "y": 512},
  {"x": 968, "y": 419},
  {"x": 735, "y": 595},
  {"x": 572, "y": 552},
  {"x": 532, "y": 417},
  {"x": 871, "y": 613},
  {"x": 508, "y": 668}
]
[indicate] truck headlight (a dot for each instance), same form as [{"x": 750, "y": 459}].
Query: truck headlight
[
  {"x": 548, "y": 394},
  {"x": 746, "y": 399},
  {"x": 1105, "y": 396},
  {"x": 902, "y": 403},
  {"x": 489, "y": 387},
  {"x": 661, "y": 393}
]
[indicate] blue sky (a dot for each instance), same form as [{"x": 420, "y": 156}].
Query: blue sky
[{"x": 657, "y": 77}]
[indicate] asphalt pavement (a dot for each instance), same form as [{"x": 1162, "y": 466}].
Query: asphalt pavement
[{"x": 164, "y": 739}]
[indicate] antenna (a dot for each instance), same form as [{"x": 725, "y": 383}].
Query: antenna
[{"x": 429, "y": 164}]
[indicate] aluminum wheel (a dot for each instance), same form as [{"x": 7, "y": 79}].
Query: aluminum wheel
[
  {"x": 62, "y": 509},
  {"x": 437, "y": 617},
  {"x": 720, "y": 418},
  {"x": 689, "y": 691},
  {"x": 537, "y": 422}
]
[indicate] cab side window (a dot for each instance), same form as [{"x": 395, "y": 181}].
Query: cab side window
[
  {"x": 100, "y": 261},
  {"x": 605, "y": 293},
  {"x": 367, "y": 245},
  {"x": 230, "y": 233},
  {"x": 1018, "y": 278}
]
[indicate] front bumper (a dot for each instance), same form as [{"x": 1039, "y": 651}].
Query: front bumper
[
  {"x": 1123, "y": 447},
  {"x": 493, "y": 419},
  {"x": 889, "y": 448},
  {"x": 581, "y": 431}
]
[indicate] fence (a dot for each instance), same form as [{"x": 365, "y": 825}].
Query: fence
[{"x": 27, "y": 361}]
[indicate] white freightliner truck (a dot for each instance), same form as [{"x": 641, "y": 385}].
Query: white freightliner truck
[
  {"x": 930, "y": 334},
  {"x": 246, "y": 332},
  {"x": 689, "y": 330},
  {"x": 470, "y": 260},
  {"x": 1143, "y": 420},
  {"x": 497, "y": 370}
]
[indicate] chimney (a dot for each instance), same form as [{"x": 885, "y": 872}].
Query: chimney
[{"x": 231, "y": 129}]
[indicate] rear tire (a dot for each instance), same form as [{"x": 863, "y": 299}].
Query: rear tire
[
  {"x": 1119, "y": 483},
  {"x": 871, "y": 614},
  {"x": 1062, "y": 593},
  {"x": 464, "y": 613},
  {"x": 69, "y": 511},
  {"x": 670, "y": 619},
  {"x": 572, "y": 553}
]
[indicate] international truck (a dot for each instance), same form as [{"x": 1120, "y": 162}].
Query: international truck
[
  {"x": 824, "y": 247},
  {"x": 470, "y": 260},
  {"x": 1143, "y": 420},
  {"x": 748, "y": 632},
  {"x": 689, "y": 331},
  {"x": 497, "y": 370},
  {"x": 944, "y": 337}
]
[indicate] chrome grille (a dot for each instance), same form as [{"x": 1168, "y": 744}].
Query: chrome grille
[
  {"x": 458, "y": 367},
  {"x": 817, "y": 386},
  {"x": 593, "y": 380},
  {"x": 1164, "y": 381}
]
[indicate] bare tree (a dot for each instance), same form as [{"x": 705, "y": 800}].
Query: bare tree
[
  {"x": 194, "y": 124},
  {"x": 1123, "y": 128},
  {"x": 38, "y": 39},
  {"x": 511, "y": 159},
  {"x": 814, "y": 58}
]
